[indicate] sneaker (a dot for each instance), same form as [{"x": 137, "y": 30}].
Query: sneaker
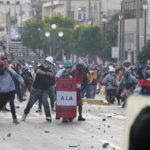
[
  {"x": 15, "y": 121},
  {"x": 80, "y": 118},
  {"x": 24, "y": 116},
  {"x": 22, "y": 100},
  {"x": 65, "y": 120},
  {"x": 53, "y": 109},
  {"x": 57, "y": 118},
  {"x": 123, "y": 105},
  {"x": 5, "y": 110},
  {"x": 49, "y": 119},
  {"x": 39, "y": 111}
]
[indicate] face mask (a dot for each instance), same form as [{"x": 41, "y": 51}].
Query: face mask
[
  {"x": 68, "y": 69},
  {"x": 45, "y": 65}
]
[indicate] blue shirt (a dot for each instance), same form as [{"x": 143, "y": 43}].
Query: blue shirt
[{"x": 128, "y": 82}]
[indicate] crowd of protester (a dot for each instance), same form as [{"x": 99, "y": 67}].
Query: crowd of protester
[{"x": 39, "y": 79}]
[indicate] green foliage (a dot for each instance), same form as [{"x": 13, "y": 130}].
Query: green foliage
[
  {"x": 60, "y": 21},
  {"x": 31, "y": 33},
  {"x": 111, "y": 35},
  {"x": 144, "y": 55},
  {"x": 87, "y": 40}
]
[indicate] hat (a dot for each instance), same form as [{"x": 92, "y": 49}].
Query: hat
[
  {"x": 50, "y": 59},
  {"x": 111, "y": 69},
  {"x": 126, "y": 62}
]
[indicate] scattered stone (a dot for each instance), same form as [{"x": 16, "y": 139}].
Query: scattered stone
[
  {"x": 98, "y": 128},
  {"x": 92, "y": 146},
  {"x": 92, "y": 136},
  {"x": 105, "y": 145},
  {"x": 108, "y": 126},
  {"x": 103, "y": 119},
  {"x": 47, "y": 131},
  {"x": 4, "y": 139},
  {"x": 9, "y": 135},
  {"x": 73, "y": 145},
  {"x": 111, "y": 136},
  {"x": 109, "y": 116},
  {"x": 89, "y": 110},
  {"x": 104, "y": 131},
  {"x": 114, "y": 148}
]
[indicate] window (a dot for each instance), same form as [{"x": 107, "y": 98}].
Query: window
[
  {"x": 132, "y": 57},
  {"x": 84, "y": 17},
  {"x": 72, "y": 14},
  {"x": 79, "y": 16},
  {"x": 8, "y": 2},
  {"x": 130, "y": 8},
  {"x": 1, "y": 3},
  {"x": 126, "y": 55},
  {"x": 17, "y": 3}
]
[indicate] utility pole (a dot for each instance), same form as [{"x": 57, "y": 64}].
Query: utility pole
[
  {"x": 137, "y": 28},
  {"x": 8, "y": 31},
  {"x": 90, "y": 16},
  {"x": 20, "y": 15},
  {"x": 123, "y": 31},
  {"x": 69, "y": 8},
  {"x": 15, "y": 10},
  {"x": 52, "y": 2}
]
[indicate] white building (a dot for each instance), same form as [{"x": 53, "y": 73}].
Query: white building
[
  {"x": 130, "y": 28},
  {"x": 82, "y": 11}
]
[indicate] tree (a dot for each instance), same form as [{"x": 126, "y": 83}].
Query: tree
[
  {"x": 111, "y": 34},
  {"x": 60, "y": 21},
  {"x": 31, "y": 34},
  {"x": 88, "y": 40},
  {"x": 144, "y": 55}
]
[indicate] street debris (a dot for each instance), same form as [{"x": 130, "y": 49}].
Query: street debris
[
  {"x": 47, "y": 131},
  {"x": 9, "y": 135},
  {"x": 73, "y": 145},
  {"x": 105, "y": 145},
  {"x": 103, "y": 119},
  {"x": 109, "y": 116}
]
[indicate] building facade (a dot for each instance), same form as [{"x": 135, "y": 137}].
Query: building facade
[
  {"x": 130, "y": 30},
  {"x": 83, "y": 11}
]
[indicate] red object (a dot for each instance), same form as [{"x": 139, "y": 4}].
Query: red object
[
  {"x": 66, "y": 98},
  {"x": 143, "y": 82},
  {"x": 78, "y": 77}
]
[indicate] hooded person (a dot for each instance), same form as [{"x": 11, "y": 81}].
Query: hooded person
[
  {"x": 65, "y": 72},
  {"x": 40, "y": 88},
  {"x": 128, "y": 82},
  {"x": 111, "y": 85},
  {"x": 8, "y": 89},
  {"x": 79, "y": 75}
]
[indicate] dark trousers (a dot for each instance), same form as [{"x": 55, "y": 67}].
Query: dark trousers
[
  {"x": 19, "y": 92},
  {"x": 86, "y": 91},
  {"x": 8, "y": 97},
  {"x": 35, "y": 95},
  {"x": 52, "y": 96}
]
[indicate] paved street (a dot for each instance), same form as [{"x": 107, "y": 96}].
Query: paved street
[{"x": 104, "y": 124}]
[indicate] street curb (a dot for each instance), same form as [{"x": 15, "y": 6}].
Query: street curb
[{"x": 96, "y": 101}]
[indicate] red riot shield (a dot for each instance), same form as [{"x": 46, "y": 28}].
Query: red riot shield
[{"x": 66, "y": 100}]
